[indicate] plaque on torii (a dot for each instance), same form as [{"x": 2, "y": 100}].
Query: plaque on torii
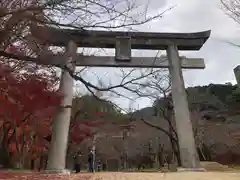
[{"x": 124, "y": 42}]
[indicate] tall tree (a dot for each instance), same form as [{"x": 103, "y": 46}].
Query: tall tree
[{"x": 27, "y": 104}]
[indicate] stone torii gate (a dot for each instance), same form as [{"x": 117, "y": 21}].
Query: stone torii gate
[{"x": 123, "y": 42}]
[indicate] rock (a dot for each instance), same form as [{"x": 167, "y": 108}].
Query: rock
[
  {"x": 173, "y": 167},
  {"x": 191, "y": 169},
  {"x": 58, "y": 171},
  {"x": 214, "y": 166}
]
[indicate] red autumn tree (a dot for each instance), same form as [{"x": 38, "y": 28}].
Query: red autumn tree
[
  {"x": 28, "y": 102},
  {"x": 82, "y": 130},
  {"x": 27, "y": 107}
]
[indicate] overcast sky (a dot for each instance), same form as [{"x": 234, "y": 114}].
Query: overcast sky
[
  {"x": 200, "y": 15},
  {"x": 193, "y": 16}
]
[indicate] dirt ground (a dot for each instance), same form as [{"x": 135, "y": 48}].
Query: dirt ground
[
  {"x": 163, "y": 176},
  {"x": 126, "y": 176}
]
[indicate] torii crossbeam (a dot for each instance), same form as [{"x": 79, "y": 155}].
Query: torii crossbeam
[
  {"x": 124, "y": 42},
  {"x": 107, "y": 39},
  {"x": 109, "y": 61}
]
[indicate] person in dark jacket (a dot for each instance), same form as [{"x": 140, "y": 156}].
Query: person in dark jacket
[
  {"x": 90, "y": 161},
  {"x": 77, "y": 162}
]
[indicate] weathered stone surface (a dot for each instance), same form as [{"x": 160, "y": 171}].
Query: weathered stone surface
[{"x": 104, "y": 39}]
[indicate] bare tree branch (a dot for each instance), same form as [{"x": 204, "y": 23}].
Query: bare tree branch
[
  {"x": 232, "y": 9},
  {"x": 16, "y": 18},
  {"x": 159, "y": 128}
]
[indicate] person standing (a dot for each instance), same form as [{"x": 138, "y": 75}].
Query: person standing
[
  {"x": 90, "y": 161},
  {"x": 77, "y": 162}
]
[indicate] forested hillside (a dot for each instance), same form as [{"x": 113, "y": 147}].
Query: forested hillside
[{"x": 215, "y": 113}]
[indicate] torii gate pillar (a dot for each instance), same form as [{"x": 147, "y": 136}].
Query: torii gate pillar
[
  {"x": 59, "y": 139},
  {"x": 189, "y": 156}
]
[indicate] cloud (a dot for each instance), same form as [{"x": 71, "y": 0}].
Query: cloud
[{"x": 195, "y": 15}]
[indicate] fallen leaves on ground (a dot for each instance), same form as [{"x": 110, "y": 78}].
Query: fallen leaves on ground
[
  {"x": 123, "y": 176},
  {"x": 40, "y": 176}
]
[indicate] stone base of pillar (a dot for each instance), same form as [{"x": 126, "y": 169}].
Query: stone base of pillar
[
  {"x": 191, "y": 170},
  {"x": 58, "y": 171}
]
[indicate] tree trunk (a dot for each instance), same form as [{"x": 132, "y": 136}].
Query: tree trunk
[
  {"x": 175, "y": 147},
  {"x": 161, "y": 157},
  {"x": 32, "y": 164},
  {"x": 5, "y": 157},
  {"x": 176, "y": 152}
]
